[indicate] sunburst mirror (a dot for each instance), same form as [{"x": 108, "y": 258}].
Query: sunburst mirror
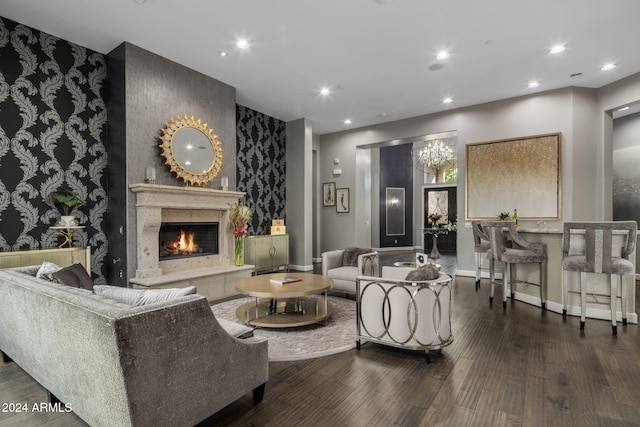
[{"x": 191, "y": 150}]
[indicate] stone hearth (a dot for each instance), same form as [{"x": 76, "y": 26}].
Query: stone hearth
[{"x": 213, "y": 275}]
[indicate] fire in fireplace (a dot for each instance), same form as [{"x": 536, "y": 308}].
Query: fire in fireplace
[{"x": 187, "y": 239}]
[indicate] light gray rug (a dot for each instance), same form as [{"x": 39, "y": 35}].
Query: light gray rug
[{"x": 305, "y": 342}]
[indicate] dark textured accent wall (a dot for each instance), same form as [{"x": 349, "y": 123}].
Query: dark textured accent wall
[
  {"x": 396, "y": 170},
  {"x": 261, "y": 166},
  {"x": 52, "y": 135},
  {"x": 145, "y": 92}
]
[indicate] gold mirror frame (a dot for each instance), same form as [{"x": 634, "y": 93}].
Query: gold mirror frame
[{"x": 190, "y": 177}]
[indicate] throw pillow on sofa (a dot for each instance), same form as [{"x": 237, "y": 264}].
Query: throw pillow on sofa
[
  {"x": 350, "y": 256},
  {"x": 45, "y": 269},
  {"x": 74, "y": 275},
  {"x": 138, "y": 297}
]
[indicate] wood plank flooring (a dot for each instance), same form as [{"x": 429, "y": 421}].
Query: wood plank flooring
[{"x": 515, "y": 367}]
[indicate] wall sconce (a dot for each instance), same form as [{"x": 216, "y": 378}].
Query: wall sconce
[
  {"x": 224, "y": 183},
  {"x": 150, "y": 175}
]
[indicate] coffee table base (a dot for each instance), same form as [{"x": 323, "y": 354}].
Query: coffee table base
[{"x": 285, "y": 312}]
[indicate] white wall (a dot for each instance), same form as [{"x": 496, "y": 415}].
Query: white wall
[
  {"x": 537, "y": 114},
  {"x": 582, "y": 116}
]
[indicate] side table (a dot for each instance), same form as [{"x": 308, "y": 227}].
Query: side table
[
  {"x": 434, "y": 232},
  {"x": 67, "y": 233}
]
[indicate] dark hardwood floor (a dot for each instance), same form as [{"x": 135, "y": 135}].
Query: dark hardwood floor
[{"x": 515, "y": 367}]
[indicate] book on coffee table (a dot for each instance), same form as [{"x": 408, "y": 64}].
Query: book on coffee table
[{"x": 280, "y": 281}]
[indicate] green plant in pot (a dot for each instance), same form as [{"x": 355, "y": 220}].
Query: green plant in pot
[
  {"x": 67, "y": 200},
  {"x": 504, "y": 216}
]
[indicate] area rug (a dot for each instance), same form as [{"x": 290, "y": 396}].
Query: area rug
[{"x": 305, "y": 342}]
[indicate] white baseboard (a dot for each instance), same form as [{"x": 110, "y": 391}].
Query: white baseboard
[{"x": 301, "y": 267}]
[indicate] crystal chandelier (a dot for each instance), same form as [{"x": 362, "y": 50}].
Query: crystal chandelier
[{"x": 433, "y": 156}]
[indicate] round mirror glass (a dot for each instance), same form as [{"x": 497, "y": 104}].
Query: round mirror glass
[{"x": 191, "y": 150}]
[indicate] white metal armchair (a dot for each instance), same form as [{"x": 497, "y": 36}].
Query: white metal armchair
[{"x": 404, "y": 314}]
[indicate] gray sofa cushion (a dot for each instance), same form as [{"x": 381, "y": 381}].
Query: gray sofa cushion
[
  {"x": 74, "y": 275},
  {"x": 235, "y": 329},
  {"x": 138, "y": 297}
]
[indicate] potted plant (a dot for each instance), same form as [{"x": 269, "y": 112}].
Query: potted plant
[{"x": 67, "y": 200}]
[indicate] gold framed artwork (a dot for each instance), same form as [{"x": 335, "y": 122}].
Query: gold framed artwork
[
  {"x": 342, "y": 200},
  {"x": 521, "y": 173},
  {"x": 329, "y": 194}
]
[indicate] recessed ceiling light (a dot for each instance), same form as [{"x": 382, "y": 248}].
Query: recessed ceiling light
[
  {"x": 223, "y": 53},
  {"x": 347, "y": 121},
  {"x": 242, "y": 44},
  {"x": 533, "y": 84},
  {"x": 325, "y": 91},
  {"x": 607, "y": 67},
  {"x": 447, "y": 100},
  {"x": 442, "y": 55},
  {"x": 557, "y": 49}
]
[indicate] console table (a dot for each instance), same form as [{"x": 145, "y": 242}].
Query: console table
[
  {"x": 67, "y": 233},
  {"x": 434, "y": 232}
]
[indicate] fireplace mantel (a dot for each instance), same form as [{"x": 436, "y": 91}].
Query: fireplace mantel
[
  {"x": 169, "y": 196},
  {"x": 164, "y": 203}
]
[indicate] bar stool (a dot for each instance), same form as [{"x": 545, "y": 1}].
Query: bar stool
[
  {"x": 597, "y": 257},
  {"x": 521, "y": 252},
  {"x": 481, "y": 246}
]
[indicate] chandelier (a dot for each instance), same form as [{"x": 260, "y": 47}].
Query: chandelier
[{"x": 433, "y": 156}]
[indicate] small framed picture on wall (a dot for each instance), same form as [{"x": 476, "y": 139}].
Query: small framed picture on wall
[
  {"x": 342, "y": 200},
  {"x": 329, "y": 194}
]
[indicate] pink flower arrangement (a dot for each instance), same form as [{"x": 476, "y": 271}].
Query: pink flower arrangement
[{"x": 239, "y": 216}]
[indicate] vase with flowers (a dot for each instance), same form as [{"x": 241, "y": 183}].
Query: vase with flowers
[
  {"x": 239, "y": 215},
  {"x": 433, "y": 218}
]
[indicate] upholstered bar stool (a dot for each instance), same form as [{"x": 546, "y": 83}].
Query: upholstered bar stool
[
  {"x": 598, "y": 257},
  {"x": 520, "y": 252},
  {"x": 481, "y": 246}
]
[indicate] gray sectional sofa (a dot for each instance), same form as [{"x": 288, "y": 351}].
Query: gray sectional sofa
[{"x": 167, "y": 363}]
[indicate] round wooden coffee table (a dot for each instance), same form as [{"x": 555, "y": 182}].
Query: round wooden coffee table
[{"x": 290, "y": 305}]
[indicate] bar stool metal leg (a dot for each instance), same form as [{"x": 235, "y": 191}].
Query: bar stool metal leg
[{"x": 583, "y": 301}]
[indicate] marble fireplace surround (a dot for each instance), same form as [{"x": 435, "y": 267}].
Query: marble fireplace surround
[{"x": 213, "y": 275}]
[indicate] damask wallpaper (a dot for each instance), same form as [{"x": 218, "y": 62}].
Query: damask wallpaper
[
  {"x": 52, "y": 135},
  {"x": 261, "y": 166}
]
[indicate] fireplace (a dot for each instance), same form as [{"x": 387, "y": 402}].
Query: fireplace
[
  {"x": 213, "y": 274},
  {"x": 187, "y": 239}
]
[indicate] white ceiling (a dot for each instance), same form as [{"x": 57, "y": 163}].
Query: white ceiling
[{"x": 374, "y": 55}]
